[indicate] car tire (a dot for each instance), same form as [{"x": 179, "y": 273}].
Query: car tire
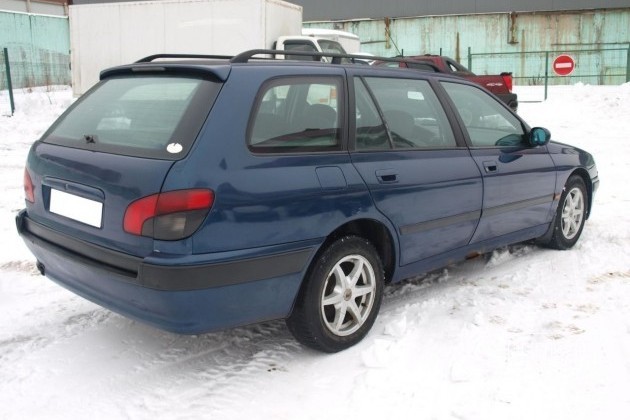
[
  {"x": 340, "y": 298},
  {"x": 570, "y": 215}
]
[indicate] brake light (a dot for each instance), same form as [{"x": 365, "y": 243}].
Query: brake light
[
  {"x": 507, "y": 80},
  {"x": 29, "y": 189},
  {"x": 169, "y": 215}
]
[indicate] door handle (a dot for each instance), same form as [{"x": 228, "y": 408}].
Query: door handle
[
  {"x": 387, "y": 176},
  {"x": 490, "y": 166}
]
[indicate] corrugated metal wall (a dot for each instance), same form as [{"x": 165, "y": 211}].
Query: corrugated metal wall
[
  {"x": 39, "y": 48},
  {"x": 504, "y": 41},
  {"x": 501, "y": 32}
]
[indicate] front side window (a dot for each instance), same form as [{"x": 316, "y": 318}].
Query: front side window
[
  {"x": 399, "y": 114},
  {"x": 157, "y": 117},
  {"x": 487, "y": 122},
  {"x": 297, "y": 115}
]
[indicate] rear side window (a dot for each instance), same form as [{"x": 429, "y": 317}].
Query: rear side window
[
  {"x": 297, "y": 116},
  {"x": 147, "y": 116}
]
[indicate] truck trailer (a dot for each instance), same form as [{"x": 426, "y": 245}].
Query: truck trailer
[{"x": 109, "y": 34}]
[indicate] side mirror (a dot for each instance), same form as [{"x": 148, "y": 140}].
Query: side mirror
[{"x": 539, "y": 136}]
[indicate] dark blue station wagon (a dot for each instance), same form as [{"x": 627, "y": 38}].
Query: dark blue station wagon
[{"x": 202, "y": 194}]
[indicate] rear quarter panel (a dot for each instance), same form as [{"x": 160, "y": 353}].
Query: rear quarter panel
[{"x": 266, "y": 199}]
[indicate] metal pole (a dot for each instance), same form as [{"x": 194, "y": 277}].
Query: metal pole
[
  {"x": 9, "y": 84},
  {"x": 469, "y": 60},
  {"x": 546, "y": 72}
]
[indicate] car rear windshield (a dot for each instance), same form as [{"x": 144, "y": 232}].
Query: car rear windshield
[{"x": 143, "y": 116}]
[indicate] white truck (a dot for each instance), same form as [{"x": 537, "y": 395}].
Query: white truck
[
  {"x": 349, "y": 41},
  {"x": 109, "y": 34},
  {"x": 318, "y": 40}
]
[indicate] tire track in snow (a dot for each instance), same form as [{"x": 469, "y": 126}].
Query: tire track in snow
[
  {"x": 43, "y": 333},
  {"x": 624, "y": 275},
  {"x": 27, "y": 266},
  {"x": 142, "y": 370},
  {"x": 212, "y": 371}
]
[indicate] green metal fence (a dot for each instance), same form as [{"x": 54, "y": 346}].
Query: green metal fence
[
  {"x": 600, "y": 66},
  {"x": 7, "y": 104},
  {"x": 46, "y": 68}
]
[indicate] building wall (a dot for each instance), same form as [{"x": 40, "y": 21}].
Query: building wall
[
  {"x": 497, "y": 32},
  {"x": 515, "y": 42},
  {"x": 38, "y": 47},
  {"x": 489, "y": 43}
]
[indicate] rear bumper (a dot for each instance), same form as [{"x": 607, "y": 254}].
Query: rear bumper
[{"x": 190, "y": 294}]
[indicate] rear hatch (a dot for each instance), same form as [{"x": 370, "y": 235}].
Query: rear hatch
[{"x": 113, "y": 147}]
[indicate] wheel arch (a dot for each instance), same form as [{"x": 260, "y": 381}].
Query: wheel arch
[
  {"x": 376, "y": 233},
  {"x": 583, "y": 173}
]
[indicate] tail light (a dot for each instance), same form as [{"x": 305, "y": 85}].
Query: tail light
[
  {"x": 169, "y": 215},
  {"x": 507, "y": 79},
  {"x": 29, "y": 189}
]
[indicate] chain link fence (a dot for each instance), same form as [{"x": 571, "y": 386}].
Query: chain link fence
[
  {"x": 45, "y": 68},
  {"x": 602, "y": 66},
  {"x": 19, "y": 70}
]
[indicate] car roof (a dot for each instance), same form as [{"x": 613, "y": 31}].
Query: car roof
[{"x": 219, "y": 66}]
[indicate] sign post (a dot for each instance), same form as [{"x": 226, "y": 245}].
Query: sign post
[{"x": 563, "y": 65}]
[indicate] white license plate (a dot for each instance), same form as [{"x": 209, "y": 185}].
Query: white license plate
[{"x": 76, "y": 208}]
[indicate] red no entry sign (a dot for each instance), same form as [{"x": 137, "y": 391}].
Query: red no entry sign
[{"x": 563, "y": 65}]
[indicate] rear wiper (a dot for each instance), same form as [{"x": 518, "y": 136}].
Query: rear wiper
[{"x": 90, "y": 138}]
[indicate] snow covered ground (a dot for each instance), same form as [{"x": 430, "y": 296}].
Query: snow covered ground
[{"x": 522, "y": 333}]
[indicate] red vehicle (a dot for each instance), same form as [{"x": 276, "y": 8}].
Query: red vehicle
[{"x": 500, "y": 85}]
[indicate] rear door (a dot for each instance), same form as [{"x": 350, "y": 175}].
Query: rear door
[
  {"x": 419, "y": 175},
  {"x": 519, "y": 180}
]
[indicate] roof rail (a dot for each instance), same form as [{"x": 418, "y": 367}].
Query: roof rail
[
  {"x": 156, "y": 56},
  {"x": 245, "y": 56},
  {"x": 316, "y": 56}
]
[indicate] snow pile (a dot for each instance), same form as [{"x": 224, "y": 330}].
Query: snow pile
[{"x": 522, "y": 333}]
